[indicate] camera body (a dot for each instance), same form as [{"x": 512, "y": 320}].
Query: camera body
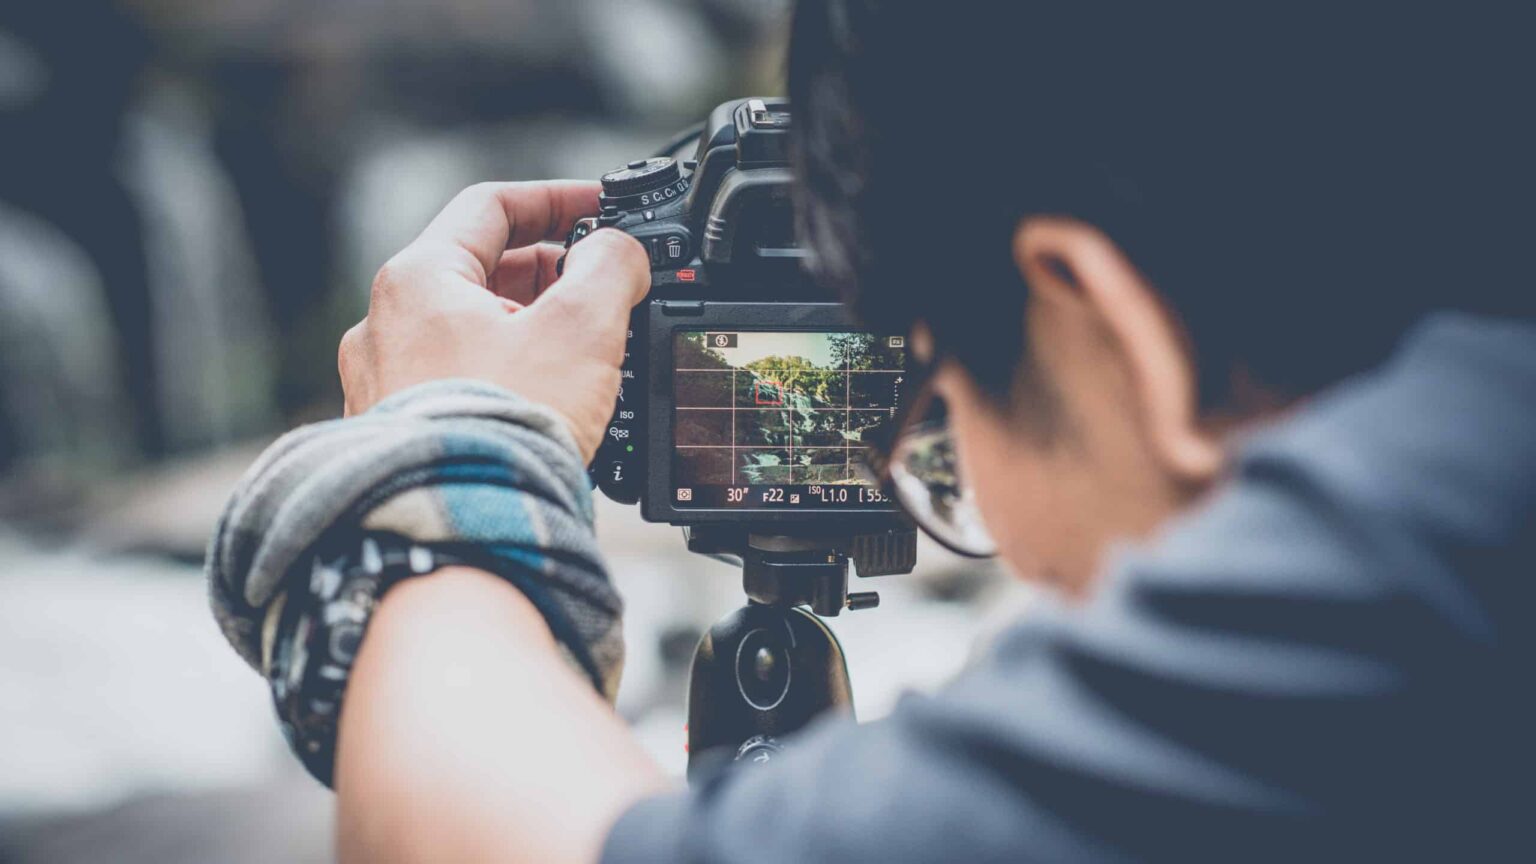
[{"x": 747, "y": 391}]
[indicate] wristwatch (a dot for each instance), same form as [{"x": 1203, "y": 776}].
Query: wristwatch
[{"x": 314, "y": 630}]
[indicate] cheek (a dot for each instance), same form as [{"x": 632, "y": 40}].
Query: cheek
[{"x": 1012, "y": 481}]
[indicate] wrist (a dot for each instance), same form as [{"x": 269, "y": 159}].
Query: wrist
[
  {"x": 474, "y": 603},
  {"x": 427, "y": 608},
  {"x": 467, "y": 735}
]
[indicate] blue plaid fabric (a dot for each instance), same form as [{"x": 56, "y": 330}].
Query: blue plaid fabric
[{"x": 460, "y": 467}]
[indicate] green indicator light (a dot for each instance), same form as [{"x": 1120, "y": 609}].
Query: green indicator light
[{"x": 629, "y": 448}]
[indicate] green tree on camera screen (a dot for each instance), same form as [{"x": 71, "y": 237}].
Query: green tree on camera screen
[{"x": 779, "y": 408}]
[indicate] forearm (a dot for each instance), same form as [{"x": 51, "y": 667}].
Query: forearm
[{"x": 467, "y": 737}]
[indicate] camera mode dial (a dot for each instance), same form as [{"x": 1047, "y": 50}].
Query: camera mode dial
[
  {"x": 640, "y": 175},
  {"x": 644, "y": 183}
]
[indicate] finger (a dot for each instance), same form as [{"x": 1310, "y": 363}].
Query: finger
[
  {"x": 606, "y": 274},
  {"x": 488, "y": 218},
  {"x": 523, "y": 274}
]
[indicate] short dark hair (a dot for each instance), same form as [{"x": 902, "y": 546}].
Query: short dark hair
[{"x": 1299, "y": 190}]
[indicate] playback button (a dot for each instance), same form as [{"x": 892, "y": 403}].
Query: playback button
[{"x": 619, "y": 435}]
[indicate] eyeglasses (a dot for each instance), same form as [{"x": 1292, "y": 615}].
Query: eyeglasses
[{"x": 917, "y": 464}]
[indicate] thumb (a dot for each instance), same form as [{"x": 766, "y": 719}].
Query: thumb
[{"x": 605, "y": 275}]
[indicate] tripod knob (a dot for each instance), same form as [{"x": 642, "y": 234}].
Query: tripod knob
[
  {"x": 862, "y": 600},
  {"x": 759, "y": 749},
  {"x": 762, "y": 668}
]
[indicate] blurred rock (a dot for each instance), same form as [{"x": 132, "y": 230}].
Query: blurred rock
[
  {"x": 59, "y": 402},
  {"x": 115, "y": 682},
  {"x": 214, "y": 347},
  {"x": 169, "y": 509}
]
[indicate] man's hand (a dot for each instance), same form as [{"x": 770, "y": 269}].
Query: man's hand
[
  {"x": 466, "y": 736},
  {"x": 475, "y": 296}
]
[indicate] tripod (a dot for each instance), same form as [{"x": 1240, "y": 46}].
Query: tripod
[{"x": 770, "y": 667}]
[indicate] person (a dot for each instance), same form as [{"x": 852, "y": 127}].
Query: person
[{"x": 1231, "y": 323}]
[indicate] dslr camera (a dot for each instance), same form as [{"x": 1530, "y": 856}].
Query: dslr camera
[
  {"x": 747, "y": 399},
  {"x": 748, "y": 393}
]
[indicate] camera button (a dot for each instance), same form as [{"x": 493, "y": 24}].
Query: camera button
[
  {"x": 668, "y": 250},
  {"x": 625, "y": 490},
  {"x": 617, "y": 473},
  {"x": 620, "y": 434},
  {"x": 675, "y": 246}
]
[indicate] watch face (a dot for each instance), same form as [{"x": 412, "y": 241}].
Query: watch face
[{"x": 319, "y": 630}]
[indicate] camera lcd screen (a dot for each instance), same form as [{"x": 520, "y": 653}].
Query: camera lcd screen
[{"x": 779, "y": 419}]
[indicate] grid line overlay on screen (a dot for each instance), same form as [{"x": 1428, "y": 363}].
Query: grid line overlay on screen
[
  {"x": 778, "y": 429},
  {"x": 733, "y": 425}
]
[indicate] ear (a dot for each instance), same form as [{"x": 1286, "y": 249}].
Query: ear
[{"x": 1070, "y": 261}]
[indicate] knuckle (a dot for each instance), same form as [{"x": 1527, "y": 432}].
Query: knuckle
[
  {"x": 481, "y": 190},
  {"x": 387, "y": 282},
  {"x": 352, "y": 340},
  {"x": 478, "y": 188},
  {"x": 483, "y": 195},
  {"x": 351, "y": 343}
]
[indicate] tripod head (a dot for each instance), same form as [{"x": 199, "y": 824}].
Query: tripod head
[
  {"x": 805, "y": 568},
  {"x": 771, "y": 667}
]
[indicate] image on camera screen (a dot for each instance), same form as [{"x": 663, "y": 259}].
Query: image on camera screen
[{"x": 779, "y": 420}]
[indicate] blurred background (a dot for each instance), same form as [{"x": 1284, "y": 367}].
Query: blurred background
[{"x": 193, "y": 199}]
